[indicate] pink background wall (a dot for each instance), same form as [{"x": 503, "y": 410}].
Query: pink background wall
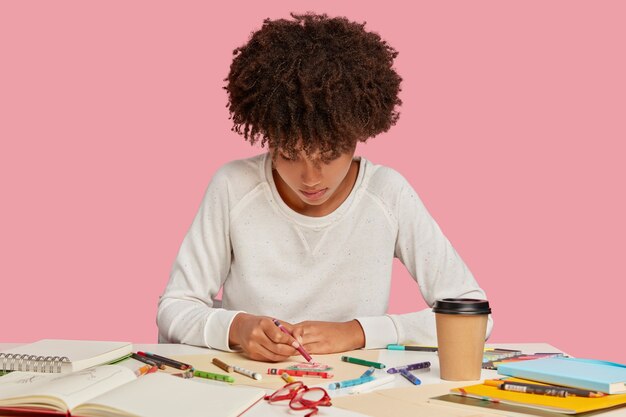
[{"x": 113, "y": 119}]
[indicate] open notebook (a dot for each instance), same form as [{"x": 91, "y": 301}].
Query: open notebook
[
  {"x": 55, "y": 355},
  {"x": 116, "y": 391}
]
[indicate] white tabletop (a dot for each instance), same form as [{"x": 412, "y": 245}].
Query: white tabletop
[{"x": 389, "y": 357}]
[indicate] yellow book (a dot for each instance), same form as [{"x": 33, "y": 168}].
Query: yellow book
[{"x": 565, "y": 405}]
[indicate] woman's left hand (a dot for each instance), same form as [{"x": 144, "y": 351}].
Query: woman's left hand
[{"x": 329, "y": 337}]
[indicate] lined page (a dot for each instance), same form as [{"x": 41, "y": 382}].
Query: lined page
[{"x": 72, "y": 389}]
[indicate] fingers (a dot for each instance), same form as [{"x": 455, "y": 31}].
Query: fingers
[
  {"x": 275, "y": 334},
  {"x": 262, "y": 353},
  {"x": 329, "y": 337},
  {"x": 261, "y": 339},
  {"x": 298, "y": 334},
  {"x": 318, "y": 348}
]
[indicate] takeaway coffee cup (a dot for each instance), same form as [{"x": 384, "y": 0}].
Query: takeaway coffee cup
[{"x": 461, "y": 332}]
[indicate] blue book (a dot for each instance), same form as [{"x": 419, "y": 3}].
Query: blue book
[{"x": 589, "y": 374}]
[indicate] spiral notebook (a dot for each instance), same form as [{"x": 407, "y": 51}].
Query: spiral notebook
[{"x": 61, "y": 356}]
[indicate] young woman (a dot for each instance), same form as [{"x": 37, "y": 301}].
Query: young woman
[{"x": 306, "y": 233}]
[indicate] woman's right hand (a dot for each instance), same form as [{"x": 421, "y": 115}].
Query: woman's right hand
[{"x": 261, "y": 339}]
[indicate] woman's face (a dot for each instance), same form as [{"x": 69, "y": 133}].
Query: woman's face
[{"x": 309, "y": 179}]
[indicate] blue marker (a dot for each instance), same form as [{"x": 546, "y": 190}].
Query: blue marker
[
  {"x": 410, "y": 367},
  {"x": 351, "y": 382},
  {"x": 369, "y": 372},
  {"x": 408, "y": 375},
  {"x": 415, "y": 348}
]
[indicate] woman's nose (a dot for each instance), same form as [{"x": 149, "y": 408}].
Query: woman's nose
[{"x": 311, "y": 175}]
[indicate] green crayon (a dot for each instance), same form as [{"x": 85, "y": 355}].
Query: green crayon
[
  {"x": 363, "y": 362},
  {"x": 211, "y": 375}
]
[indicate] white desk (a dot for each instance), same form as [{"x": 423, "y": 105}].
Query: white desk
[{"x": 390, "y": 358}]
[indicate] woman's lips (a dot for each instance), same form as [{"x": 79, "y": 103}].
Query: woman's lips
[{"x": 314, "y": 195}]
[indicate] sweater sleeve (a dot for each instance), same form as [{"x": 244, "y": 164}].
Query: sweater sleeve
[
  {"x": 434, "y": 264},
  {"x": 186, "y": 311},
  {"x": 436, "y": 267}
]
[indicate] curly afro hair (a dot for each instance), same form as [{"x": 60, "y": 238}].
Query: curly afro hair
[{"x": 314, "y": 83}]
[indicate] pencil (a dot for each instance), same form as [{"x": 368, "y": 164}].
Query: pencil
[
  {"x": 363, "y": 362},
  {"x": 146, "y": 369},
  {"x": 146, "y": 360},
  {"x": 167, "y": 361},
  {"x": 184, "y": 374},
  {"x": 542, "y": 389}
]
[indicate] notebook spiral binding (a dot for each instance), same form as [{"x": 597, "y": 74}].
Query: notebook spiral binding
[{"x": 16, "y": 362}]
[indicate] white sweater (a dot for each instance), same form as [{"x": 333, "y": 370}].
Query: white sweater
[{"x": 276, "y": 262}]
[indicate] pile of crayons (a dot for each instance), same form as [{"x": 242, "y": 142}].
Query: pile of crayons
[
  {"x": 154, "y": 362},
  {"x": 367, "y": 380},
  {"x": 491, "y": 357},
  {"x": 406, "y": 370}
]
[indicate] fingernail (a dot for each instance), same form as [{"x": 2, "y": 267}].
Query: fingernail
[{"x": 296, "y": 345}]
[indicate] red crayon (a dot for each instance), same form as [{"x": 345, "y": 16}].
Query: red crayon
[
  {"x": 293, "y": 372},
  {"x": 300, "y": 349}
]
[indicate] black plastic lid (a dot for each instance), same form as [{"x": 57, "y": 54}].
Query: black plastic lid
[{"x": 461, "y": 306}]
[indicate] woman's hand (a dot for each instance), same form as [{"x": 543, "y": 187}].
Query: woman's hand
[
  {"x": 329, "y": 337},
  {"x": 261, "y": 339}
]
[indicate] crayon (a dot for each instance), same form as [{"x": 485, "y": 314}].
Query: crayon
[
  {"x": 292, "y": 372},
  {"x": 223, "y": 366},
  {"x": 248, "y": 373},
  {"x": 350, "y": 382},
  {"x": 288, "y": 379},
  {"x": 300, "y": 349},
  {"x": 362, "y": 362},
  {"x": 409, "y": 367},
  {"x": 211, "y": 375},
  {"x": 408, "y": 375},
  {"x": 372, "y": 384}
]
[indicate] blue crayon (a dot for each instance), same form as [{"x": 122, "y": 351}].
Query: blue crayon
[
  {"x": 408, "y": 375},
  {"x": 369, "y": 372},
  {"x": 351, "y": 382}
]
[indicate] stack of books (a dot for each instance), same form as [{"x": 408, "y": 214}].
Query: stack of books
[
  {"x": 493, "y": 358},
  {"x": 548, "y": 386}
]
